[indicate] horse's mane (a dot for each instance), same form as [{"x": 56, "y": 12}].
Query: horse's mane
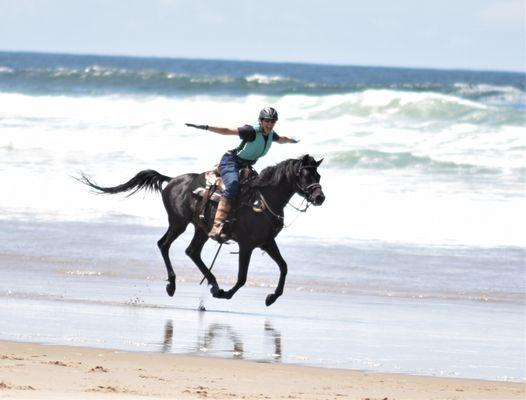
[{"x": 273, "y": 175}]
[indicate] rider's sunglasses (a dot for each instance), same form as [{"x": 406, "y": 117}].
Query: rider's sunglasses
[{"x": 272, "y": 121}]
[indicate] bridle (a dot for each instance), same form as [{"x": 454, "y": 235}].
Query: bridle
[{"x": 308, "y": 190}]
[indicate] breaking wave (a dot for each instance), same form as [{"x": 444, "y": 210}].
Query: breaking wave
[{"x": 374, "y": 159}]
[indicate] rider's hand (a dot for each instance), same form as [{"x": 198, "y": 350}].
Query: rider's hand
[
  {"x": 294, "y": 140},
  {"x": 204, "y": 127}
]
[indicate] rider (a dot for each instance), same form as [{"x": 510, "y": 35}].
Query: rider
[{"x": 256, "y": 142}]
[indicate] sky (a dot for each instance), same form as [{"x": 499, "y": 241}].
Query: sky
[{"x": 451, "y": 34}]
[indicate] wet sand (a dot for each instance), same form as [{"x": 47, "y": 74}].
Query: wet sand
[
  {"x": 31, "y": 371},
  {"x": 102, "y": 285}
]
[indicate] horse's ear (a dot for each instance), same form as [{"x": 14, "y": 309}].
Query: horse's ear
[
  {"x": 318, "y": 163},
  {"x": 305, "y": 160}
]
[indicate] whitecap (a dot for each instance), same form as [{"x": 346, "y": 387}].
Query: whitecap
[{"x": 266, "y": 79}]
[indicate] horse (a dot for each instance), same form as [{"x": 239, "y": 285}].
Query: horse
[{"x": 252, "y": 228}]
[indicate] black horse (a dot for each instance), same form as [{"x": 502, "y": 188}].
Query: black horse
[{"x": 274, "y": 187}]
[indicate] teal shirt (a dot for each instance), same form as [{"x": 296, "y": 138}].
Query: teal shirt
[{"x": 257, "y": 148}]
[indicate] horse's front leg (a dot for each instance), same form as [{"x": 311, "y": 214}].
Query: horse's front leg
[
  {"x": 244, "y": 259},
  {"x": 273, "y": 251}
]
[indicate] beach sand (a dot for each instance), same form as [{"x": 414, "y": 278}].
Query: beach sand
[{"x": 33, "y": 371}]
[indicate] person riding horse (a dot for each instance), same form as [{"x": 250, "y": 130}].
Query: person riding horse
[
  {"x": 275, "y": 186},
  {"x": 256, "y": 142}
]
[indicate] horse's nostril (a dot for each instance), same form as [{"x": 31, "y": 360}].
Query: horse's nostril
[{"x": 320, "y": 199}]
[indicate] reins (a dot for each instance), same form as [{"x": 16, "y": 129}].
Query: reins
[
  {"x": 267, "y": 207},
  {"x": 298, "y": 209},
  {"x": 282, "y": 218}
]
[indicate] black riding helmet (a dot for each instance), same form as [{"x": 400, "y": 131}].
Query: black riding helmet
[{"x": 268, "y": 113}]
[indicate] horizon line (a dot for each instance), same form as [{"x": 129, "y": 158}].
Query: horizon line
[{"x": 445, "y": 69}]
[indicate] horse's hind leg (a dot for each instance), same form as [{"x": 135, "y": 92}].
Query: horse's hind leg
[
  {"x": 194, "y": 252},
  {"x": 164, "y": 244},
  {"x": 273, "y": 251}
]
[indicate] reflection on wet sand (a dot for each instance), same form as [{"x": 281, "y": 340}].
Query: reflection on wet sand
[
  {"x": 215, "y": 331},
  {"x": 276, "y": 336},
  {"x": 168, "y": 336},
  {"x": 214, "y": 335}
]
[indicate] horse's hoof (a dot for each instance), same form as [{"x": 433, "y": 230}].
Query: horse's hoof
[
  {"x": 219, "y": 294},
  {"x": 170, "y": 288},
  {"x": 271, "y": 298},
  {"x": 214, "y": 290}
]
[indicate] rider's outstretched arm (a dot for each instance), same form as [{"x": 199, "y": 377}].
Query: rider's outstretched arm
[
  {"x": 224, "y": 131},
  {"x": 285, "y": 139},
  {"x": 216, "y": 129}
]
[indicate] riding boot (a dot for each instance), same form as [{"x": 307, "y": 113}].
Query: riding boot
[{"x": 223, "y": 208}]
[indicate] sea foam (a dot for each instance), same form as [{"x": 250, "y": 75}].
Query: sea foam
[{"x": 386, "y": 177}]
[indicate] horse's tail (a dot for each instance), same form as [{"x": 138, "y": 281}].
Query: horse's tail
[{"x": 147, "y": 179}]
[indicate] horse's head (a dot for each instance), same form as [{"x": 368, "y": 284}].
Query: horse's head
[{"x": 308, "y": 180}]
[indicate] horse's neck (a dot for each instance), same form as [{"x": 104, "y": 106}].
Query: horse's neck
[{"x": 278, "y": 196}]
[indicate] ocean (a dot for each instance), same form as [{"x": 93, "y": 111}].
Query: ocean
[{"x": 419, "y": 248}]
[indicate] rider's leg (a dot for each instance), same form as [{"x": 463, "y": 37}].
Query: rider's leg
[
  {"x": 230, "y": 173},
  {"x": 223, "y": 208}
]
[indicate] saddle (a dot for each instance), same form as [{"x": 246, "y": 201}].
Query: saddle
[{"x": 212, "y": 188}]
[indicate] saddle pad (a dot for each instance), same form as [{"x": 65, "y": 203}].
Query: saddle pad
[{"x": 200, "y": 191}]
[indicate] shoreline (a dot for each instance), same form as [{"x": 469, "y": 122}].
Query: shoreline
[{"x": 92, "y": 373}]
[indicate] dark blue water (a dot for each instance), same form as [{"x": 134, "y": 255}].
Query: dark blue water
[{"x": 33, "y": 73}]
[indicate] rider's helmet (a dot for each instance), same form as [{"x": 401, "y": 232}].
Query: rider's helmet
[{"x": 268, "y": 113}]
